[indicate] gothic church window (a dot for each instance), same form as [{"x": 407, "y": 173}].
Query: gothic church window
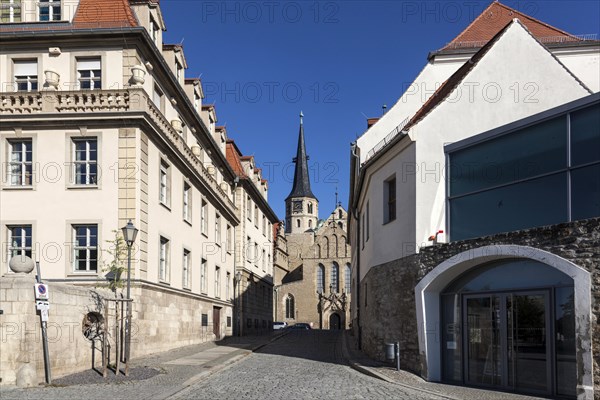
[
  {"x": 320, "y": 278},
  {"x": 335, "y": 278},
  {"x": 289, "y": 307}
]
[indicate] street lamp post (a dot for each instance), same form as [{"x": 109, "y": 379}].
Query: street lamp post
[{"x": 129, "y": 234}]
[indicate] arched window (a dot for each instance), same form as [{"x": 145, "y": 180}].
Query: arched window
[
  {"x": 318, "y": 251},
  {"x": 341, "y": 225},
  {"x": 335, "y": 278},
  {"x": 289, "y": 307},
  {"x": 298, "y": 223},
  {"x": 310, "y": 223},
  {"x": 335, "y": 246},
  {"x": 348, "y": 278},
  {"x": 320, "y": 278},
  {"x": 345, "y": 252},
  {"x": 340, "y": 216},
  {"x": 310, "y": 208},
  {"x": 326, "y": 247}
]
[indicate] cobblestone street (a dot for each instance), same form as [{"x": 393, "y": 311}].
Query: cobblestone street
[{"x": 301, "y": 365}]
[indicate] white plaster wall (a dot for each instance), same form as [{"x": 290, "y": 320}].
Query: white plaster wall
[
  {"x": 395, "y": 239},
  {"x": 169, "y": 223},
  {"x": 516, "y": 59},
  {"x": 416, "y": 94},
  {"x": 51, "y": 205},
  {"x": 584, "y": 64}
]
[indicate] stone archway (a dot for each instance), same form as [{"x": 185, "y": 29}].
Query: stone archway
[{"x": 427, "y": 298}]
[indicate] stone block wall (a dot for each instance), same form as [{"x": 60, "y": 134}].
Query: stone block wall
[
  {"x": 163, "y": 319},
  {"x": 388, "y": 289}
]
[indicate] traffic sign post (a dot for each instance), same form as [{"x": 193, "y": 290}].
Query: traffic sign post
[{"x": 42, "y": 304}]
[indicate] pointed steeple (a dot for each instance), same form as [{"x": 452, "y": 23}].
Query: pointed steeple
[{"x": 301, "y": 187}]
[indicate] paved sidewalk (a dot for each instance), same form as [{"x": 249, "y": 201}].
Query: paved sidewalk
[
  {"x": 178, "y": 369},
  {"x": 360, "y": 362}
]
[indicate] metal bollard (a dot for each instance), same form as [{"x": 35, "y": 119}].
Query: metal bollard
[{"x": 397, "y": 346}]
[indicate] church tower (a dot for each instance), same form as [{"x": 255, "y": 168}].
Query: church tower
[{"x": 301, "y": 206}]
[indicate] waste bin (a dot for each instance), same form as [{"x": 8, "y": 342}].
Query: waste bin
[{"x": 390, "y": 351}]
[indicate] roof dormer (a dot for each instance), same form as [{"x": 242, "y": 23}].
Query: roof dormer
[
  {"x": 150, "y": 17},
  {"x": 173, "y": 54},
  {"x": 193, "y": 89},
  {"x": 209, "y": 116}
]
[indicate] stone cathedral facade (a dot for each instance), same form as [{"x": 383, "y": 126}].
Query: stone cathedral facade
[{"x": 312, "y": 272}]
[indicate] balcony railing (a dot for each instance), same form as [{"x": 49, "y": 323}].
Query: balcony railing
[{"x": 106, "y": 101}]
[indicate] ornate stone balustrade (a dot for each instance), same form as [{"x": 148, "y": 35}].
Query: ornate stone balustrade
[{"x": 106, "y": 101}]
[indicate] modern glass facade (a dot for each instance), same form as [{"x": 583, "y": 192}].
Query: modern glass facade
[{"x": 543, "y": 173}]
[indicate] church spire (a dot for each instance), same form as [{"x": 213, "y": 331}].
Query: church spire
[{"x": 301, "y": 187}]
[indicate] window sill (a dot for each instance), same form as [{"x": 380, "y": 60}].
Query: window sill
[
  {"x": 163, "y": 282},
  {"x": 187, "y": 222},
  {"x": 165, "y": 205},
  {"x": 29, "y": 187},
  {"x": 77, "y": 274},
  {"x": 188, "y": 289},
  {"x": 204, "y": 234},
  {"x": 388, "y": 222},
  {"x": 79, "y": 187}
]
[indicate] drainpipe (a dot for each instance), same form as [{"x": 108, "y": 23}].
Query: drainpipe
[
  {"x": 238, "y": 284},
  {"x": 355, "y": 215}
]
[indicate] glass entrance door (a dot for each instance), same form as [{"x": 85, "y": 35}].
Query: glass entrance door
[{"x": 506, "y": 341}]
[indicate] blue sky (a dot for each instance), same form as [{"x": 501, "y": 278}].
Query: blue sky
[{"x": 262, "y": 62}]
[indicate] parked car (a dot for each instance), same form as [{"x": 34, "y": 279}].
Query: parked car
[
  {"x": 300, "y": 325},
  {"x": 279, "y": 325}
]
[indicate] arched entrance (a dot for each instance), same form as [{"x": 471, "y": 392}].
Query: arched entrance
[
  {"x": 335, "y": 321},
  {"x": 497, "y": 315}
]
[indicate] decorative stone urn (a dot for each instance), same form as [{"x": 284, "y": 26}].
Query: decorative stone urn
[
  {"x": 224, "y": 187},
  {"x": 21, "y": 264},
  {"x": 197, "y": 151},
  {"x": 211, "y": 170},
  {"x": 52, "y": 79},
  {"x": 176, "y": 124},
  {"x": 138, "y": 74}
]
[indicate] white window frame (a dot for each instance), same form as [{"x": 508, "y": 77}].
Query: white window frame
[
  {"x": 256, "y": 216},
  {"x": 187, "y": 202},
  {"x": 248, "y": 208},
  {"x": 164, "y": 182},
  {"x": 23, "y": 167},
  {"x": 178, "y": 70},
  {"x": 227, "y": 286},
  {"x": 28, "y": 77},
  {"x": 154, "y": 28},
  {"x": 22, "y": 249},
  {"x": 186, "y": 268},
  {"x": 203, "y": 277},
  {"x": 157, "y": 97},
  {"x": 88, "y": 248},
  {"x": 218, "y": 282},
  {"x": 88, "y": 162},
  {"x": 204, "y": 218},
  {"x": 163, "y": 259},
  {"x": 264, "y": 260},
  {"x": 218, "y": 229},
  {"x": 51, "y": 5},
  {"x": 228, "y": 239},
  {"x": 11, "y": 6},
  {"x": 348, "y": 278},
  {"x": 95, "y": 78}
]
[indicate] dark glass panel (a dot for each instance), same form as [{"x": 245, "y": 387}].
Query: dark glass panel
[
  {"x": 532, "y": 151},
  {"x": 451, "y": 338},
  {"x": 509, "y": 274},
  {"x": 585, "y": 135},
  {"x": 538, "y": 202},
  {"x": 566, "y": 365},
  {"x": 585, "y": 192}
]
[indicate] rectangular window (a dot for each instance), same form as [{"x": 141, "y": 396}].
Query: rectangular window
[
  {"x": 367, "y": 222},
  {"x": 264, "y": 260},
  {"x": 204, "y": 319},
  {"x": 165, "y": 183},
  {"x": 85, "y": 161},
  {"x": 203, "y": 276},
  {"x": 248, "y": 208},
  {"x": 363, "y": 230},
  {"x": 186, "y": 268},
  {"x": 218, "y": 229},
  {"x": 49, "y": 10},
  {"x": 154, "y": 31},
  {"x": 229, "y": 239},
  {"x": 19, "y": 241},
  {"x": 217, "y": 282},
  {"x": 89, "y": 73},
  {"x": 178, "y": 71},
  {"x": 196, "y": 101},
  {"x": 157, "y": 98},
  {"x": 85, "y": 248},
  {"x": 389, "y": 196},
  {"x": 348, "y": 278},
  {"x": 256, "y": 254},
  {"x": 248, "y": 252},
  {"x": 10, "y": 11},
  {"x": 256, "y": 216},
  {"x": 187, "y": 202},
  {"x": 26, "y": 75},
  {"x": 227, "y": 286},
  {"x": 264, "y": 225},
  {"x": 163, "y": 261},
  {"x": 204, "y": 218},
  {"x": 20, "y": 165}
]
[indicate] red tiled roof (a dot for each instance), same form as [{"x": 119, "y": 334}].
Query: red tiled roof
[
  {"x": 232, "y": 154},
  {"x": 494, "y": 18},
  {"x": 104, "y": 14}
]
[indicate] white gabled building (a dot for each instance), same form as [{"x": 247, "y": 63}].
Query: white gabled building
[{"x": 503, "y": 68}]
